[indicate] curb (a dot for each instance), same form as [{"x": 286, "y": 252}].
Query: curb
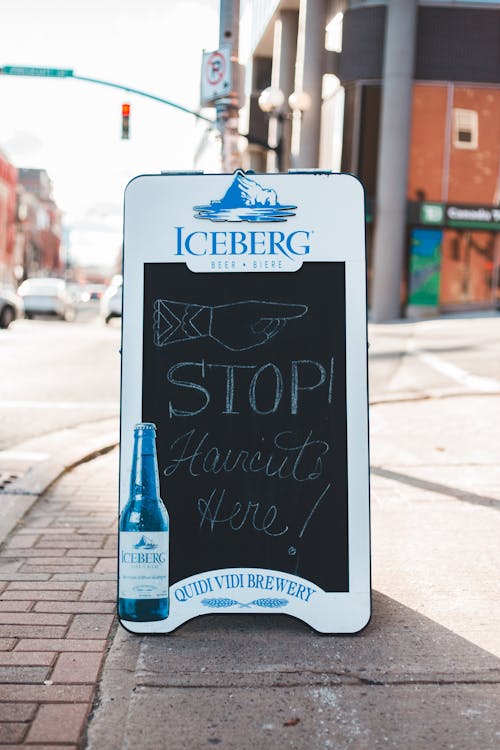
[
  {"x": 437, "y": 394},
  {"x": 69, "y": 448}
]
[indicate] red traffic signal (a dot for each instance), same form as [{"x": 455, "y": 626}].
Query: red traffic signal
[{"x": 125, "y": 121}]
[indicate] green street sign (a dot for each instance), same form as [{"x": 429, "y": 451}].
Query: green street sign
[{"x": 16, "y": 70}]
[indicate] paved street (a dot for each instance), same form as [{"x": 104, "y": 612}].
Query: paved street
[
  {"x": 425, "y": 673},
  {"x": 439, "y": 357},
  {"x": 56, "y": 375}
]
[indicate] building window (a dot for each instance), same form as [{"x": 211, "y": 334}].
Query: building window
[{"x": 465, "y": 128}]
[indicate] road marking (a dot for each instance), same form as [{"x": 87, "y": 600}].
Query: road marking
[
  {"x": 464, "y": 378},
  {"x": 58, "y": 404},
  {"x": 14, "y": 455}
]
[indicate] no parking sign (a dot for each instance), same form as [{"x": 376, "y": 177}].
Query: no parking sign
[{"x": 215, "y": 74}]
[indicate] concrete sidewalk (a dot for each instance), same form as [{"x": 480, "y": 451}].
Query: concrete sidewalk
[{"x": 425, "y": 673}]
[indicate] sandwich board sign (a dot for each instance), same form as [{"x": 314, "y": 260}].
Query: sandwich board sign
[{"x": 244, "y": 351}]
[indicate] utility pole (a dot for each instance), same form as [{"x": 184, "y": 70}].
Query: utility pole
[{"x": 228, "y": 107}]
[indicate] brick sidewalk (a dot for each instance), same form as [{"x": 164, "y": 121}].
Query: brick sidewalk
[{"x": 58, "y": 590}]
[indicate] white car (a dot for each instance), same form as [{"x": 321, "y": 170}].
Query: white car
[
  {"x": 47, "y": 296},
  {"x": 111, "y": 300},
  {"x": 11, "y": 306}
]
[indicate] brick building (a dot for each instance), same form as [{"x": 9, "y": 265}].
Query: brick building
[
  {"x": 407, "y": 97},
  {"x": 8, "y": 182},
  {"x": 39, "y": 224}
]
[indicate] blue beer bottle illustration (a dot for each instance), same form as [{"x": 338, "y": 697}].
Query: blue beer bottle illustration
[{"x": 143, "y": 594}]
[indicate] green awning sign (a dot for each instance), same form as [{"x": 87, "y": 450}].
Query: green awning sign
[
  {"x": 432, "y": 213},
  {"x": 473, "y": 217},
  {"x": 459, "y": 216}
]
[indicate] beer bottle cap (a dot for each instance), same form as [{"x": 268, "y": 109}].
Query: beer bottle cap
[{"x": 145, "y": 426}]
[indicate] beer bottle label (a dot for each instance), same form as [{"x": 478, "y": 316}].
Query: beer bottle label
[{"x": 143, "y": 565}]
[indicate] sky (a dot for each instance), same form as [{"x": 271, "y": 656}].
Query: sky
[{"x": 73, "y": 129}]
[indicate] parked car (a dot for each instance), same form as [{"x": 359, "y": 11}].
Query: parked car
[
  {"x": 11, "y": 306},
  {"x": 111, "y": 300},
  {"x": 92, "y": 292},
  {"x": 47, "y": 296}
]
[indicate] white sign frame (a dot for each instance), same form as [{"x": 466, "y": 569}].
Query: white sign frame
[{"x": 332, "y": 205}]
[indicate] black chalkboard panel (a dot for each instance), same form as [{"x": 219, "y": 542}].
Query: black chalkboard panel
[{"x": 245, "y": 379}]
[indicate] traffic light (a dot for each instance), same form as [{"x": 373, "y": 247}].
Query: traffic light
[{"x": 125, "y": 121}]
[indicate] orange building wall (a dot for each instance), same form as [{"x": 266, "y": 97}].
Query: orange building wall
[
  {"x": 474, "y": 174},
  {"x": 427, "y": 149}
]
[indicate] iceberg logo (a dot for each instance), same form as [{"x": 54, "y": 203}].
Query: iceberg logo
[
  {"x": 245, "y": 200},
  {"x": 145, "y": 543}
]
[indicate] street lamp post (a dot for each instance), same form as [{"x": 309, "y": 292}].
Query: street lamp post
[
  {"x": 271, "y": 102},
  {"x": 299, "y": 102}
]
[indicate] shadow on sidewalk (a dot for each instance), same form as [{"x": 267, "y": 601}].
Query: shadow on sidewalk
[
  {"x": 249, "y": 681},
  {"x": 442, "y": 489},
  {"x": 399, "y": 645}
]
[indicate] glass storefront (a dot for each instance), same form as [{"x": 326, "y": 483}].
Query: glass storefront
[{"x": 470, "y": 265}]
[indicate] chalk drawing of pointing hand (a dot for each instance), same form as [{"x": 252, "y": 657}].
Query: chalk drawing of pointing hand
[
  {"x": 237, "y": 326},
  {"x": 245, "y": 325}
]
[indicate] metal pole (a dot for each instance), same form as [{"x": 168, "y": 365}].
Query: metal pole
[
  {"x": 58, "y": 73},
  {"x": 228, "y": 108},
  {"x": 142, "y": 93},
  {"x": 390, "y": 217}
]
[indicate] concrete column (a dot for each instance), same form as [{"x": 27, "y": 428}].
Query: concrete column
[
  {"x": 283, "y": 77},
  {"x": 309, "y": 69},
  {"x": 395, "y": 127}
]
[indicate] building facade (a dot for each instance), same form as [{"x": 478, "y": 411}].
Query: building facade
[
  {"x": 39, "y": 230},
  {"x": 30, "y": 225},
  {"x": 8, "y": 184},
  {"x": 406, "y": 95}
]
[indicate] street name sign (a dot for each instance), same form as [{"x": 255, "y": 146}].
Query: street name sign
[
  {"x": 244, "y": 344},
  {"x": 216, "y": 75},
  {"x": 16, "y": 70}
]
